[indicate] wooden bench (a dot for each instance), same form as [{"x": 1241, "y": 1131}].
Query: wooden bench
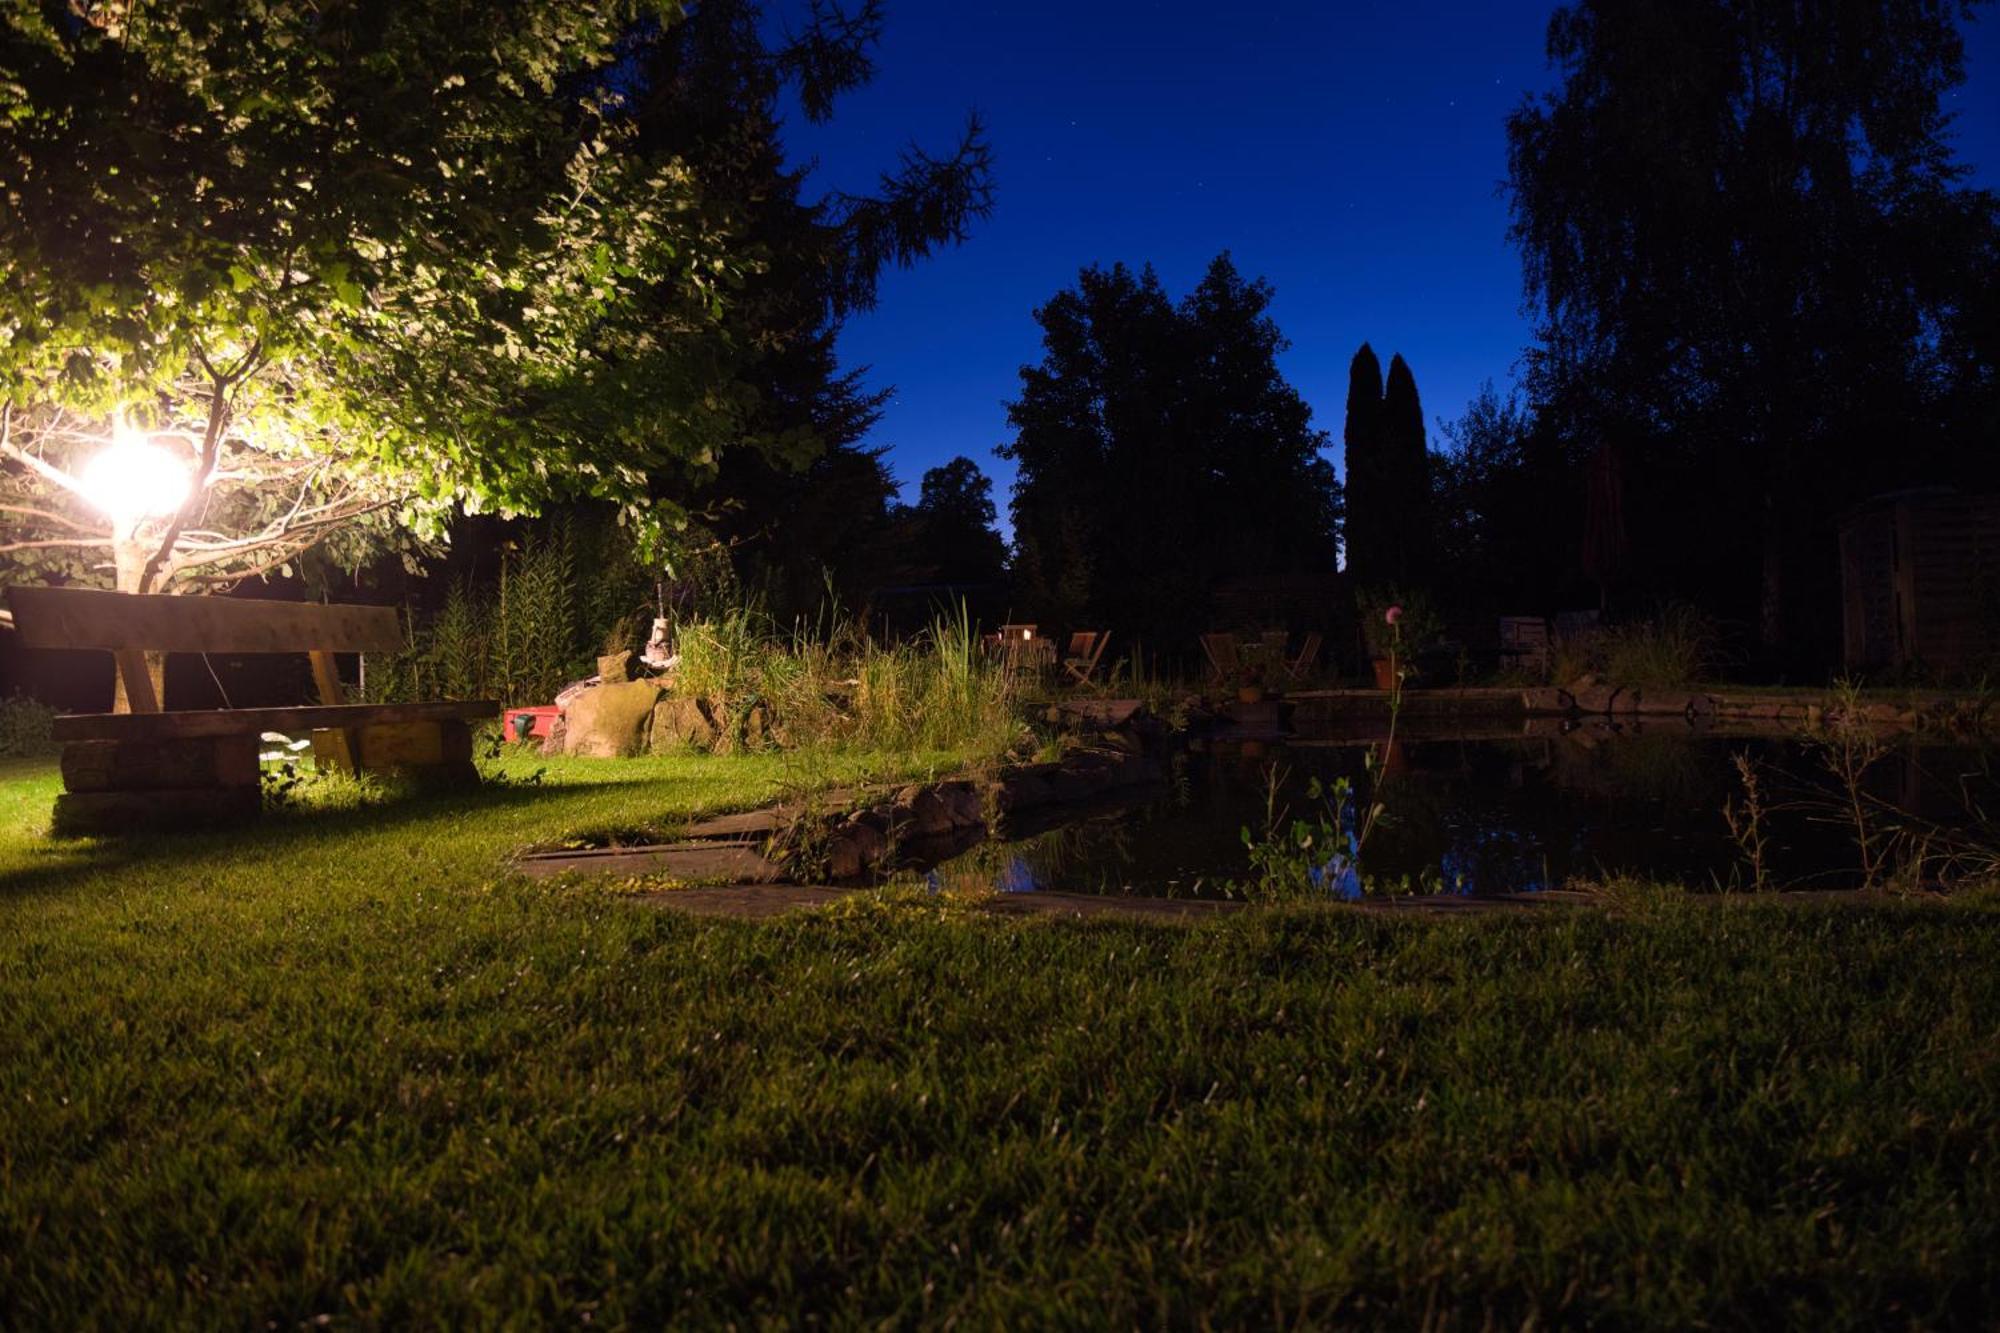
[{"x": 149, "y": 767}]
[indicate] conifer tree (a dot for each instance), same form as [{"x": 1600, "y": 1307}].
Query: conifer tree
[
  {"x": 1406, "y": 456},
  {"x": 1367, "y": 497}
]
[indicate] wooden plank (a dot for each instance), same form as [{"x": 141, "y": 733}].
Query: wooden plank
[
  {"x": 95, "y": 813},
  {"x": 139, "y": 695},
  {"x": 92, "y": 618},
  {"x": 208, "y": 761},
  {"x": 326, "y": 678},
  {"x": 729, "y": 862},
  {"x": 236, "y": 721},
  {"x": 336, "y": 749},
  {"x": 388, "y": 747}
]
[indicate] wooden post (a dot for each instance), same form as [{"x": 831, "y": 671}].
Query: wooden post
[
  {"x": 138, "y": 678},
  {"x": 326, "y": 678}
]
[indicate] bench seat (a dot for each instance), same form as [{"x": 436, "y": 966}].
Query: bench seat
[{"x": 206, "y": 722}]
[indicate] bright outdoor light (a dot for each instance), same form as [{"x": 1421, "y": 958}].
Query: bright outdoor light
[{"x": 135, "y": 478}]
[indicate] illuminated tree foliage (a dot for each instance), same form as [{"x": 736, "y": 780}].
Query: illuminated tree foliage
[{"x": 359, "y": 260}]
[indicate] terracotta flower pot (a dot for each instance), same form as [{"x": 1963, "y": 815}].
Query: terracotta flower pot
[
  {"x": 1385, "y": 673},
  {"x": 1250, "y": 694}
]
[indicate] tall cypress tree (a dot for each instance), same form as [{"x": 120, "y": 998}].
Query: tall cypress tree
[
  {"x": 1367, "y": 496},
  {"x": 1410, "y": 537}
]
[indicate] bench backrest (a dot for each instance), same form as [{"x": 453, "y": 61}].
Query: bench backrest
[
  {"x": 130, "y": 623},
  {"x": 91, "y": 618}
]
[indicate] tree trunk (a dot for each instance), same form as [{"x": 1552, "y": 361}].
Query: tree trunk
[
  {"x": 129, "y": 555},
  {"x": 1771, "y": 595}
]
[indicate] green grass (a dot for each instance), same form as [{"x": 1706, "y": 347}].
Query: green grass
[{"x": 345, "y": 1066}]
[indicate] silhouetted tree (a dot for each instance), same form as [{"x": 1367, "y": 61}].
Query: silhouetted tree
[
  {"x": 1160, "y": 451},
  {"x": 1496, "y": 483},
  {"x": 810, "y": 501},
  {"x": 952, "y": 535},
  {"x": 1390, "y": 528},
  {"x": 1368, "y": 504},
  {"x": 1756, "y": 267},
  {"x": 1406, "y": 451}
]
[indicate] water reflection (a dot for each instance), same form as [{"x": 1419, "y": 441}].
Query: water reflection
[{"x": 1481, "y": 814}]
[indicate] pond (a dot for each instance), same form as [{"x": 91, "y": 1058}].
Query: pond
[{"x": 1494, "y": 811}]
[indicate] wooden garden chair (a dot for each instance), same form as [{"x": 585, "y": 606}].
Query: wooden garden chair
[
  {"x": 1308, "y": 657},
  {"x": 1524, "y": 642},
  {"x": 1222, "y": 658},
  {"x": 1086, "y": 648}
]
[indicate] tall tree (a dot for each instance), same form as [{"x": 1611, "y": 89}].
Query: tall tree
[
  {"x": 1755, "y": 263},
  {"x": 812, "y": 502},
  {"x": 1368, "y": 502},
  {"x": 1411, "y": 537},
  {"x": 339, "y": 261},
  {"x": 1160, "y": 451},
  {"x": 952, "y": 534},
  {"x": 1496, "y": 480}
]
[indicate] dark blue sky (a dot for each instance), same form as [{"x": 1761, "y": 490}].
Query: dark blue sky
[{"x": 1349, "y": 152}]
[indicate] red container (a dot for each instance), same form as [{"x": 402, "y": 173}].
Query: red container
[{"x": 540, "y": 720}]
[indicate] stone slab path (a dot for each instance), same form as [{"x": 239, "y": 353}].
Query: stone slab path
[{"x": 763, "y": 901}]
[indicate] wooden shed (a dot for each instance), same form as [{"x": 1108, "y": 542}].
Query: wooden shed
[{"x": 1920, "y": 582}]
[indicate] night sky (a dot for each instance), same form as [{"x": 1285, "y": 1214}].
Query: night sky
[{"x": 1349, "y": 152}]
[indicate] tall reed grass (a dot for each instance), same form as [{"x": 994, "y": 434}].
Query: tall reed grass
[
  {"x": 833, "y": 684},
  {"x": 1676, "y": 646},
  {"x": 519, "y": 639}
]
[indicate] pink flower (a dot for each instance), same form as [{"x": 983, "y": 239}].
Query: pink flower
[{"x": 1393, "y": 614}]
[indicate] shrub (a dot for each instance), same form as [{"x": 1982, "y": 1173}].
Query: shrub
[
  {"x": 524, "y": 636},
  {"x": 1674, "y": 647},
  {"x": 833, "y": 684},
  {"x": 24, "y": 728},
  {"x": 1418, "y": 629}
]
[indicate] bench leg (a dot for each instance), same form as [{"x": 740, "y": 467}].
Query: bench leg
[
  {"x": 430, "y": 754},
  {"x": 122, "y": 786}
]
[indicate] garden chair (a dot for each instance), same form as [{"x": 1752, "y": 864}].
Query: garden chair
[
  {"x": 1222, "y": 658},
  {"x": 1022, "y": 649},
  {"x": 1086, "y": 647},
  {"x": 1524, "y": 642},
  {"x": 1307, "y": 659}
]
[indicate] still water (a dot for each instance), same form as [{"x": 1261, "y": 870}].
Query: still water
[{"x": 1484, "y": 813}]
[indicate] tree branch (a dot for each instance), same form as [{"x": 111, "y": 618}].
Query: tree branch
[
  {"x": 49, "y": 514},
  {"x": 55, "y": 542},
  {"x": 48, "y": 472},
  {"x": 211, "y": 454}
]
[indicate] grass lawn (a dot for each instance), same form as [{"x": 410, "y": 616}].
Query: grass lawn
[{"x": 345, "y": 1066}]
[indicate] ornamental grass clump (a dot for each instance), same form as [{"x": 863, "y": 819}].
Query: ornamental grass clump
[
  {"x": 835, "y": 684},
  {"x": 1676, "y": 647}
]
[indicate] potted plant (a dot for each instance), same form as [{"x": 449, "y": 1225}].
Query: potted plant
[{"x": 1398, "y": 626}]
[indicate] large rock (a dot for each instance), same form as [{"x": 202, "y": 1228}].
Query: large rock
[
  {"x": 962, "y": 801},
  {"x": 856, "y": 846},
  {"x": 681, "y": 723},
  {"x": 920, "y": 812},
  {"x": 610, "y": 721}
]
